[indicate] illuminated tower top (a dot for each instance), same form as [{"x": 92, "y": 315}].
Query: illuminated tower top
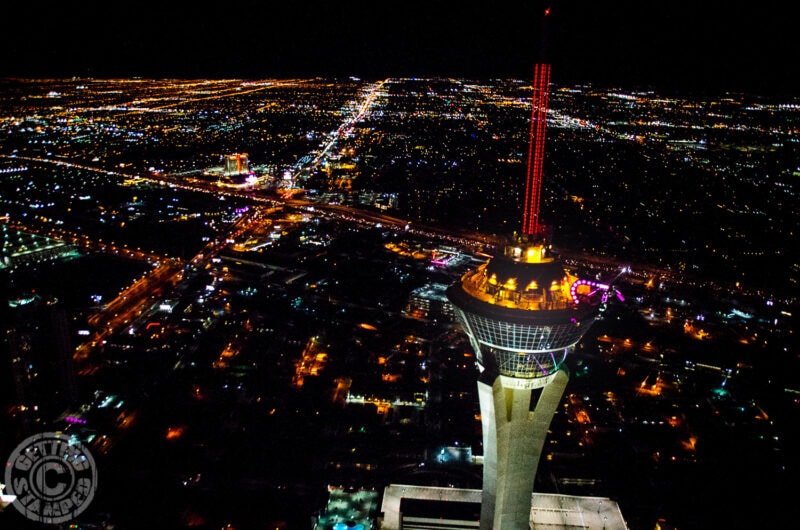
[
  {"x": 523, "y": 311},
  {"x": 525, "y": 278},
  {"x": 541, "y": 81}
]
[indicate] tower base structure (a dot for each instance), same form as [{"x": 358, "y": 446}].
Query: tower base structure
[
  {"x": 515, "y": 417},
  {"x": 552, "y": 511}
]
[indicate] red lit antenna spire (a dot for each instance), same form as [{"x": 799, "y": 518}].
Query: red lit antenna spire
[{"x": 531, "y": 224}]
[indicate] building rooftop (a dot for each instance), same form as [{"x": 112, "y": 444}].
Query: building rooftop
[{"x": 548, "y": 510}]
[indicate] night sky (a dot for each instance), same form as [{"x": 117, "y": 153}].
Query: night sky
[{"x": 699, "y": 44}]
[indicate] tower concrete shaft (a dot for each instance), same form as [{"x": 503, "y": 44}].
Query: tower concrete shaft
[{"x": 513, "y": 438}]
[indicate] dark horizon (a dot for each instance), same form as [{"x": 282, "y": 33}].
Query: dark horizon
[{"x": 714, "y": 47}]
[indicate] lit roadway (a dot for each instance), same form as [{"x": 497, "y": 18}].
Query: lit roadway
[
  {"x": 136, "y": 298},
  {"x": 131, "y": 301},
  {"x": 256, "y": 196},
  {"x": 129, "y": 304},
  {"x": 474, "y": 239},
  {"x": 344, "y": 128}
]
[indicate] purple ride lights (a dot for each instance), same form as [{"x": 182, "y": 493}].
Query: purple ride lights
[{"x": 595, "y": 286}]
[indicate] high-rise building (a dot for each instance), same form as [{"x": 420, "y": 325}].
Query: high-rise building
[
  {"x": 236, "y": 164},
  {"x": 40, "y": 365},
  {"x": 522, "y": 312},
  {"x": 429, "y": 302}
]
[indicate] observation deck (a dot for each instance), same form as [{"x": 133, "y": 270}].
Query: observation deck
[{"x": 522, "y": 312}]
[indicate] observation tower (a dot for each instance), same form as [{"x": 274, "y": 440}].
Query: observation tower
[{"x": 523, "y": 312}]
